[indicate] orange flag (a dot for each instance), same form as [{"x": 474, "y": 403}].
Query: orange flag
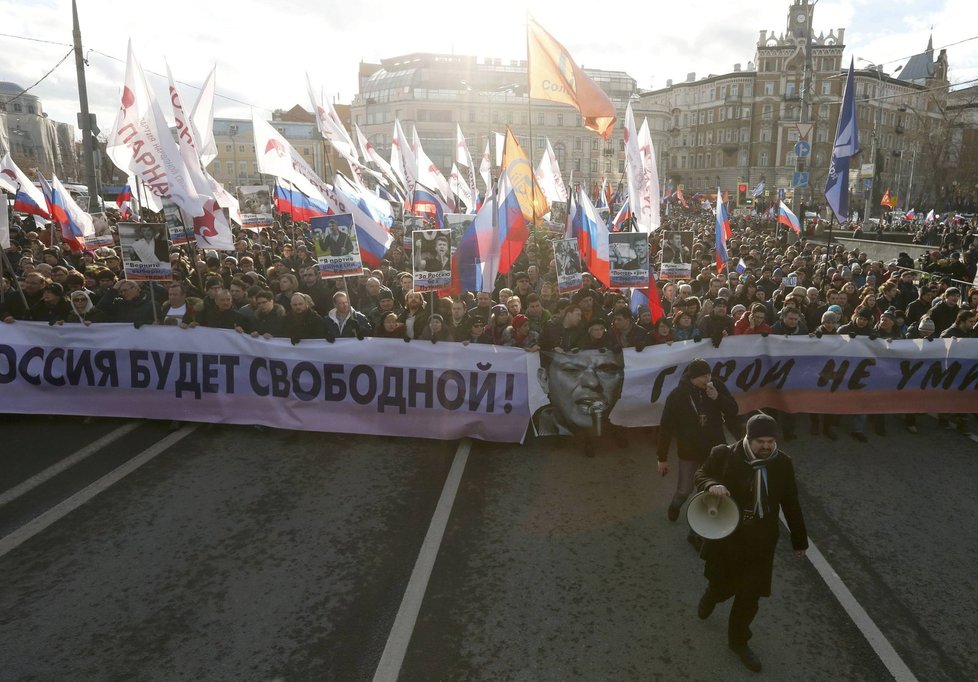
[
  {"x": 532, "y": 201},
  {"x": 885, "y": 201},
  {"x": 554, "y": 76}
]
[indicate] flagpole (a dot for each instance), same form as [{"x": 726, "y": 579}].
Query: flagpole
[{"x": 529, "y": 106}]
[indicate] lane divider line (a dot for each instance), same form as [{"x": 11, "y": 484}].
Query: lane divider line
[
  {"x": 68, "y": 505},
  {"x": 874, "y": 636},
  {"x": 392, "y": 659},
  {"x": 84, "y": 453}
]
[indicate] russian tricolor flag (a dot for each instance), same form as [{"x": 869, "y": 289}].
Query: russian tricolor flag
[
  {"x": 74, "y": 223},
  {"x": 477, "y": 254},
  {"x": 511, "y": 222},
  {"x": 722, "y": 233},
  {"x": 427, "y": 202},
  {"x": 648, "y": 297},
  {"x": 788, "y": 219},
  {"x": 297, "y": 204},
  {"x": 622, "y": 217},
  {"x": 123, "y": 200},
  {"x": 374, "y": 237},
  {"x": 27, "y": 197},
  {"x": 592, "y": 239}
]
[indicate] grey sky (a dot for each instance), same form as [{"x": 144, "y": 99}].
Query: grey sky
[{"x": 263, "y": 49}]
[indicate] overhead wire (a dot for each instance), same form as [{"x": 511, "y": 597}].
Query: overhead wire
[{"x": 39, "y": 80}]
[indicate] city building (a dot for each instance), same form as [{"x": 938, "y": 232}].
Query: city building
[
  {"x": 745, "y": 125},
  {"x": 436, "y": 92},
  {"x": 38, "y": 143}
]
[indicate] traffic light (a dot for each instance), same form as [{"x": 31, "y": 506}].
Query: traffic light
[{"x": 741, "y": 193}]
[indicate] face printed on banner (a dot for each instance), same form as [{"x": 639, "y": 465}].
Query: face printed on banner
[{"x": 576, "y": 382}]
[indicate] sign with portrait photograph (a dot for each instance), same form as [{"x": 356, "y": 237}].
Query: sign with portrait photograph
[
  {"x": 567, "y": 257},
  {"x": 629, "y": 257},
  {"x": 103, "y": 232},
  {"x": 431, "y": 253},
  {"x": 677, "y": 256},
  {"x": 179, "y": 232},
  {"x": 337, "y": 250},
  {"x": 145, "y": 252},
  {"x": 255, "y": 202}
]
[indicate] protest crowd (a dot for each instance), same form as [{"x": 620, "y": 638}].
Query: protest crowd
[{"x": 271, "y": 286}]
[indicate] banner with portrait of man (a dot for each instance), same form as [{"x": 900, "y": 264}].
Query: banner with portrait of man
[
  {"x": 178, "y": 230},
  {"x": 334, "y": 239},
  {"x": 411, "y": 223},
  {"x": 431, "y": 253},
  {"x": 256, "y": 207},
  {"x": 567, "y": 257},
  {"x": 145, "y": 252},
  {"x": 677, "y": 255},
  {"x": 629, "y": 258},
  {"x": 103, "y": 232},
  {"x": 570, "y": 391}
]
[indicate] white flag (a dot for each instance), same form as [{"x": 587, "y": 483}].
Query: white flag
[
  {"x": 485, "y": 168},
  {"x": 372, "y": 156},
  {"x": 403, "y": 161},
  {"x": 140, "y": 142},
  {"x": 464, "y": 157},
  {"x": 460, "y": 188},
  {"x": 650, "y": 172},
  {"x": 277, "y": 157},
  {"x": 217, "y": 234},
  {"x": 500, "y": 145},
  {"x": 330, "y": 125},
  {"x": 428, "y": 173},
  {"x": 202, "y": 121},
  {"x": 549, "y": 178},
  {"x": 4, "y": 139},
  {"x": 638, "y": 194}
]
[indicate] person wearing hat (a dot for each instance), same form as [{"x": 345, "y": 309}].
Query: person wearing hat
[
  {"x": 887, "y": 327},
  {"x": 385, "y": 304},
  {"x": 52, "y": 307},
  {"x": 476, "y": 332},
  {"x": 760, "y": 479},
  {"x": 694, "y": 414},
  {"x": 521, "y": 335}
]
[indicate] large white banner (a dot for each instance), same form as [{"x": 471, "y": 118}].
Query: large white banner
[{"x": 376, "y": 386}]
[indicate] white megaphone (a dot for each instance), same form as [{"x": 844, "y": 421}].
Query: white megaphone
[{"x": 712, "y": 517}]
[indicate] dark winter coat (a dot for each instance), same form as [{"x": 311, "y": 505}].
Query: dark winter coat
[
  {"x": 743, "y": 561},
  {"x": 681, "y": 420}
]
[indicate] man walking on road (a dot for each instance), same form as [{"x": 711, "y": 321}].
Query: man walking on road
[
  {"x": 761, "y": 480},
  {"x": 694, "y": 414}
]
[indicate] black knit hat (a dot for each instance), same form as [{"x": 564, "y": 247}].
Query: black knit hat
[
  {"x": 761, "y": 426},
  {"x": 697, "y": 368}
]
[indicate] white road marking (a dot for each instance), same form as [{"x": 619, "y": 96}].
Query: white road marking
[
  {"x": 407, "y": 615},
  {"x": 65, "y": 507},
  {"x": 37, "y": 479},
  {"x": 887, "y": 654}
]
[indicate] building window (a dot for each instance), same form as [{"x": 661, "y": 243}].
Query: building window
[
  {"x": 540, "y": 119},
  {"x": 17, "y": 108},
  {"x": 744, "y": 135},
  {"x": 769, "y": 88},
  {"x": 790, "y": 159},
  {"x": 241, "y": 148},
  {"x": 578, "y": 145},
  {"x": 621, "y": 166},
  {"x": 789, "y": 89},
  {"x": 763, "y": 158},
  {"x": 723, "y": 114},
  {"x": 734, "y": 88},
  {"x": 821, "y": 135},
  {"x": 826, "y": 87},
  {"x": 31, "y": 109},
  {"x": 560, "y": 119},
  {"x": 595, "y": 145},
  {"x": 560, "y": 151},
  {"x": 765, "y": 134},
  {"x": 709, "y": 137},
  {"x": 792, "y": 134},
  {"x": 230, "y": 168},
  {"x": 748, "y": 90},
  {"x": 577, "y": 165},
  {"x": 594, "y": 165}
]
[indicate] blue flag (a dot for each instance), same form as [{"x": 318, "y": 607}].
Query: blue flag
[{"x": 846, "y": 146}]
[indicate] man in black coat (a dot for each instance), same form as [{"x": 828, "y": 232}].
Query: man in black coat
[
  {"x": 761, "y": 480},
  {"x": 694, "y": 414}
]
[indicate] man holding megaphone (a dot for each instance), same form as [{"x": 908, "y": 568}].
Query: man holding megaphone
[{"x": 760, "y": 479}]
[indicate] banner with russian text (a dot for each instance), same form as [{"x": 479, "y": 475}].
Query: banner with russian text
[
  {"x": 376, "y": 386},
  {"x": 830, "y": 375}
]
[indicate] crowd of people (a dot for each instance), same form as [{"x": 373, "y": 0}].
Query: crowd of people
[{"x": 270, "y": 286}]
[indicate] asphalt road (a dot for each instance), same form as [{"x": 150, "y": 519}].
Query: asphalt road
[{"x": 245, "y": 554}]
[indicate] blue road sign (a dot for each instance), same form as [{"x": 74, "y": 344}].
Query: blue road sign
[
  {"x": 799, "y": 179},
  {"x": 802, "y": 149}
]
